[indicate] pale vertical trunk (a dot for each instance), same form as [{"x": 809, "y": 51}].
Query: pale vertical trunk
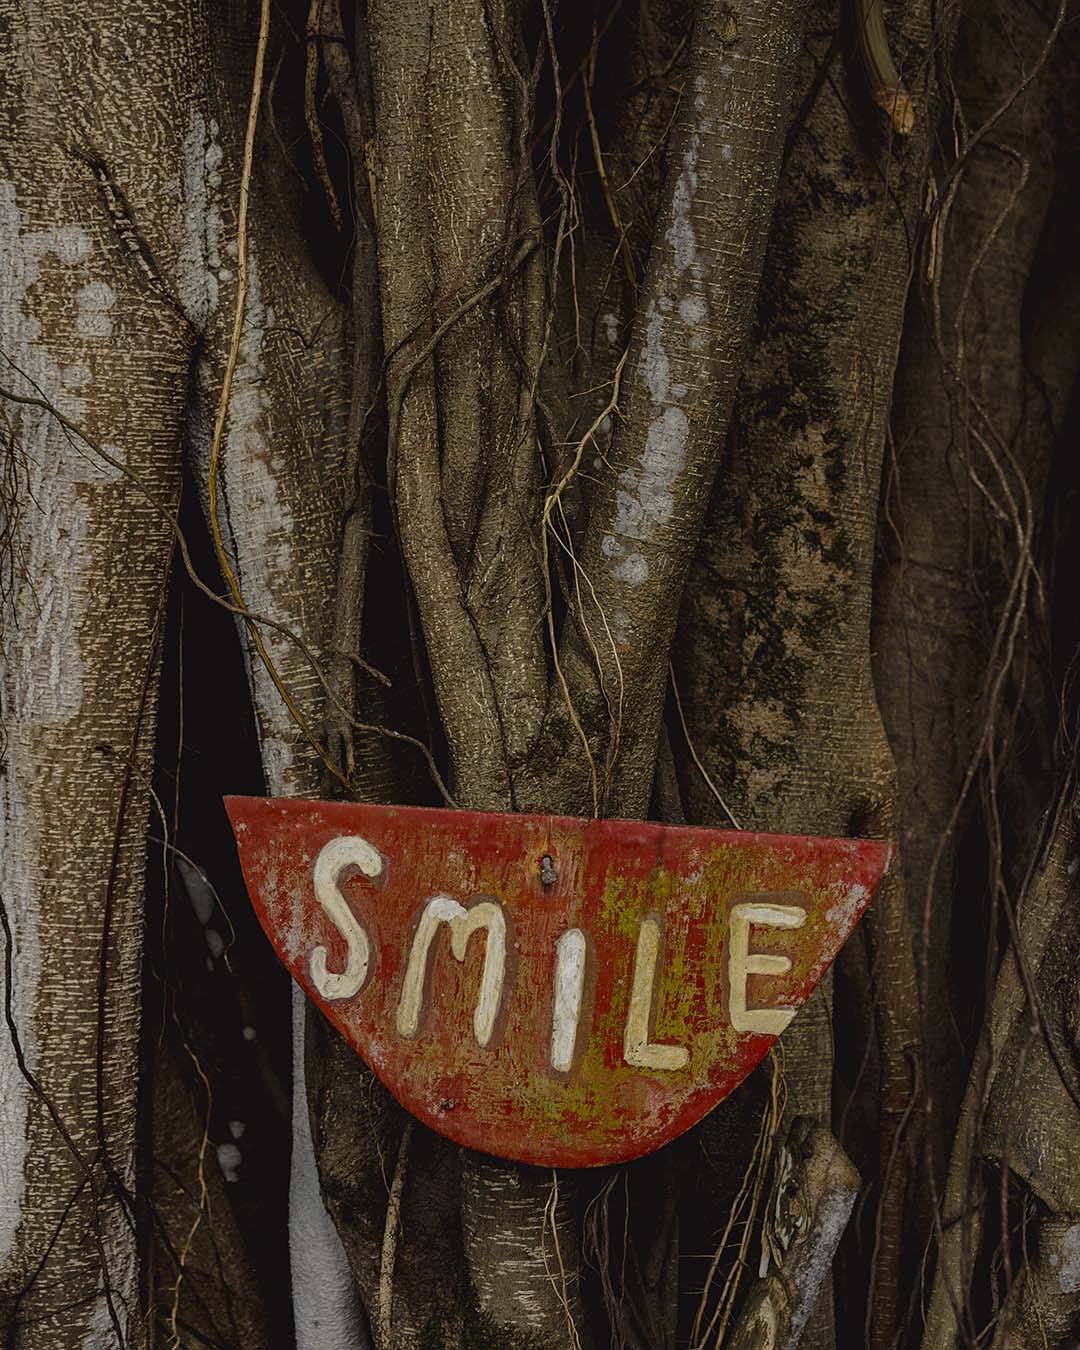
[
  {"x": 90, "y": 328},
  {"x": 280, "y": 498}
]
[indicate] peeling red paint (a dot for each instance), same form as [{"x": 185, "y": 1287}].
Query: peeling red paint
[{"x": 616, "y": 882}]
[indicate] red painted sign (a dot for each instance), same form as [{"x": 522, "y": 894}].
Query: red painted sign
[{"x": 565, "y": 992}]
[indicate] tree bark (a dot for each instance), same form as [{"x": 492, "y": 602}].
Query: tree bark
[
  {"x": 814, "y": 1191},
  {"x": 281, "y": 496},
  {"x": 94, "y": 336},
  {"x": 965, "y": 486},
  {"x": 773, "y": 657},
  {"x": 585, "y": 396},
  {"x": 474, "y": 563}
]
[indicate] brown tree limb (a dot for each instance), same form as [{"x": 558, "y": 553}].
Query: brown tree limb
[
  {"x": 773, "y": 655},
  {"x": 813, "y": 1194},
  {"x": 694, "y": 314}
]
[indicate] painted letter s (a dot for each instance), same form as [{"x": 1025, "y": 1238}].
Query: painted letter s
[{"x": 347, "y": 851}]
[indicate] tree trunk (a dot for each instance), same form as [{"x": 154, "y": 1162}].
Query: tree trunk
[
  {"x": 533, "y": 365},
  {"x": 280, "y": 492},
  {"x": 97, "y": 349},
  {"x": 773, "y": 659}
]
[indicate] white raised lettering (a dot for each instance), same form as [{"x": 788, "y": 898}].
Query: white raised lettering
[
  {"x": 569, "y": 987},
  {"x": 637, "y": 1048},
  {"x": 741, "y": 964},
  {"x": 334, "y": 857},
  {"x": 462, "y": 922}
]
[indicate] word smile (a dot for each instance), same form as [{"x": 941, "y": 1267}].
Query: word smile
[
  {"x": 569, "y": 965},
  {"x": 564, "y": 991}
]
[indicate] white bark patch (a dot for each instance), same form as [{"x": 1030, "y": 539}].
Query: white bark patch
[
  {"x": 1067, "y": 1260},
  {"x": 257, "y": 522},
  {"x": 229, "y": 1159},
  {"x": 645, "y": 500},
  {"x": 655, "y": 366},
  {"x": 276, "y": 757},
  {"x": 41, "y": 673},
  {"x": 831, "y": 1220},
  {"x": 260, "y": 521},
  {"x": 680, "y": 233},
  {"x": 200, "y": 263},
  {"x": 75, "y": 377},
  {"x": 633, "y": 570},
  {"x": 94, "y": 301}
]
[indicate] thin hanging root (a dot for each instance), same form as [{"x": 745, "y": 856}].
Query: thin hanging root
[
  {"x": 550, "y": 1209},
  {"x": 553, "y": 500},
  {"x": 615, "y": 713},
  {"x": 693, "y": 749},
  {"x": 759, "y": 1167},
  {"x": 225, "y": 398},
  {"x": 391, "y": 1232},
  {"x": 623, "y": 246},
  {"x": 596, "y": 1229},
  {"x": 750, "y": 1189},
  {"x": 882, "y": 76},
  {"x": 204, "y": 1206}
]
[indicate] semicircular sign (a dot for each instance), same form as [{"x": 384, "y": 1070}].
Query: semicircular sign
[{"x": 559, "y": 991}]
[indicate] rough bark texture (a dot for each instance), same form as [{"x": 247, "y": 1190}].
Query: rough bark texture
[
  {"x": 961, "y": 641},
  {"x": 465, "y": 477},
  {"x": 1047, "y": 1303},
  {"x": 693, "y": 318},
  {"x": 1012, "y": 1036},
  {"x": 200, "y": 1284},
  {"x": 90, "y": 327},
  {"x": 773, "y": 658},
  {"x": 281, "y": 498},
  {"x": 453, "y": 214},
  {"x": 468, "y": 505}
]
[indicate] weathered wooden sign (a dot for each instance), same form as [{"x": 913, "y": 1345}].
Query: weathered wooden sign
[{"x": 561, "y": 991}]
